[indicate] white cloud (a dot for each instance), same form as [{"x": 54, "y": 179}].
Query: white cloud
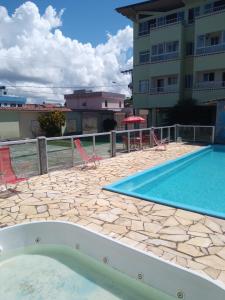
[{"x": 34, "y": 51}]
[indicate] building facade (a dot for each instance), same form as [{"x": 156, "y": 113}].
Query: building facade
[
  {"x": 22, "y": 122},
  {"x": 96, "y": 107},
  {"x": 179, "y": 53},
  {"x": 10, "y": 101}
]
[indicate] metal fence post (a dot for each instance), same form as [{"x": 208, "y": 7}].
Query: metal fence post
[
  {"x": 169, "y": 134},
  {"x": 213, "y": 134},
  {"x": 194, "y": 133},
  {"x": 42, "y": 154},
  {"x": 128, "y": 141},
  {"x": 113, "y": 143},
  {"x": 72, "y": 148},
  {"x": 176, "y": 132},
  {"x": 151, "y": 137}
]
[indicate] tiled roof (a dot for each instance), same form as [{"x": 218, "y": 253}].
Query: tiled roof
[{"x": 37, "y": 108}]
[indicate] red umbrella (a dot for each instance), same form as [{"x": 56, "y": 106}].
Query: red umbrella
[{"x": 133, "y": 119}]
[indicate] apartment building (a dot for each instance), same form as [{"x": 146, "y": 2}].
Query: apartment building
[{"x": 179, "y": 53}]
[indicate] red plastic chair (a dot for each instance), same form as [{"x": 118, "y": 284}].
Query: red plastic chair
[
  {"x": 160, "y": 144},
  {"x": 7, "y": 174},
  {"x": 83, "y": 154}
]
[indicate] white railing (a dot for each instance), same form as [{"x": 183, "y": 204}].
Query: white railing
[
  {"x": 214, "y": 9},
  {"x": 209, "y": 85},
  {"x": 46, "y": 154},
  {"x": 211, "y": 49},
  {"x": 164, "y": 56},
  {"x": 165, "y": 89}
]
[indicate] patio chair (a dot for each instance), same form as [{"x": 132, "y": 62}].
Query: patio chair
[
  {"x": 7, "y": 174},
  {"x": 159, "y": 144},
  {"x": 85, "y": 157}
]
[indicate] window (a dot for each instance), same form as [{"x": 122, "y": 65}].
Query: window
[
  {"x": 214, "y": 40},
  {"x": 120, "y": 104},
  {"x": 152, "y": 23},
  {"x": 84, "y": 104},
  {"x": 144, "y": 57},
  {"x": 165, "y": 51},
  {"x": 143, "y": 86},
  {"x": 208, "y": 77},
  {"x": 201, "y": 41},
  {"x": 106, "y": 103},
  {"x": 211, "y": 7},
  {"x": 193, "y": 13},
  {"x": 144, "y": 28},
  {"x": 161, "y": 21},
  {"x": 188, "y": 81},
  {"x": 190, "y": 48},
  {"x": 172, "y": 80}
]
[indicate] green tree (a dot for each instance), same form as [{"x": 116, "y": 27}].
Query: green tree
[{"x": 51, "y": 123}]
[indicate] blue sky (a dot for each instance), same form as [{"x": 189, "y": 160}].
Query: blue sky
[{"x": 84, "y": 20}]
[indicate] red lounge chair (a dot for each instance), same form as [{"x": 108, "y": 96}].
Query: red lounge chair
[
  {"x": 160, "y": 144},
  {"x": 7, "y": 174},
  {"x": 85, "y": 157}
]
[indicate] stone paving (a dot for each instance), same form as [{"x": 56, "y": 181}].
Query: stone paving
[{"x": 188, "y": 239}]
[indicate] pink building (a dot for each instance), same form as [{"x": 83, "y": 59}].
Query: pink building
[{"x": 89, "y": 100}]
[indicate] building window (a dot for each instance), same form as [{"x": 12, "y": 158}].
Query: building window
[
  {"x": 193, "y": 13},
  {"x": 208, "y": 77},
  {"x": 172, "y": 80},
  {"x": 144, "y": 28},
  {"x": 120, "y": 104},
  {"x": 144, "y": 57},
  {"x": 143, "y": 86},
  {"x": 106, "y": 103},
  {"x": 165, "y": 51},
  {"x": 84, "y": 104},
  {"x": 190, "y": 48},
  {"x": 201, "y": 41},
  {"x": 188, "y": 81}
]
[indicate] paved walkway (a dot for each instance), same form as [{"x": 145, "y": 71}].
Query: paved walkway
[{"x": 188, "y": 239}]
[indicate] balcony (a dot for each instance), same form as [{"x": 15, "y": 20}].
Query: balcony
[
  {"x": 211, "y": 49},
  {"x": 207, "y": 91},
  {"x": 164, "y": 56},
  {"x": 210, "y": 8},
  {"x": 163, "y": 90},
  {"x": 209, "y": 85}
]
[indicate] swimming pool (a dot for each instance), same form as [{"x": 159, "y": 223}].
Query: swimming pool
[{"x": 194, "y": 182}]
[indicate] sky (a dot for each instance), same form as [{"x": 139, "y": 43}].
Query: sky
[{"x": 46, "y": 44}]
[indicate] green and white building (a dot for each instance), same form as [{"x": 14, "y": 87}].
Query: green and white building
[{"x": 179, "y": 53}]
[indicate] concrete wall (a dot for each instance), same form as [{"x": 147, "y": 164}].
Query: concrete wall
[{"x": 9, "y": 125}]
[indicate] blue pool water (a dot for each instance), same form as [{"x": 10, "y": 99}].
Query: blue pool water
[{"x": 194, "y": 182}]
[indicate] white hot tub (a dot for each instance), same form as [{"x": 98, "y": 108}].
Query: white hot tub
[{"x": 57, "y": 260}]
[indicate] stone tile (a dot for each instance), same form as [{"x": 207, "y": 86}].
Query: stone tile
[
  {"x": 175, "y": 237},
  {"x": 200, "y": 228},
  {"x": 28, "y": 210},
  {"x": 170, "y": 222},
  {"x": 115, "y": 228},
  {"x": 174, "y": 230},
  {"x": 137, "y": 236},
  {"x": 213, "y": 226},
  {"x": 212, "y": 261},
  {"x": 189, "y": 249},
  {"x": 152, "y": 227},
  {"x": 137, "y": 225},
  {"x": 199, "y": 241}
]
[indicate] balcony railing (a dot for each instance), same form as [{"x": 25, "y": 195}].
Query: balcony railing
[
  {"x": 211, "y": 49},
  {"x": 164, "y": 56},
  {"x": 214, "y": 9},
  {"x": 163, "y": 90},
  {"x": 209, "y": 85}
]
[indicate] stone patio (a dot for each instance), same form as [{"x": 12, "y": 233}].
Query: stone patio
[{"x": 188, "y": 239}]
